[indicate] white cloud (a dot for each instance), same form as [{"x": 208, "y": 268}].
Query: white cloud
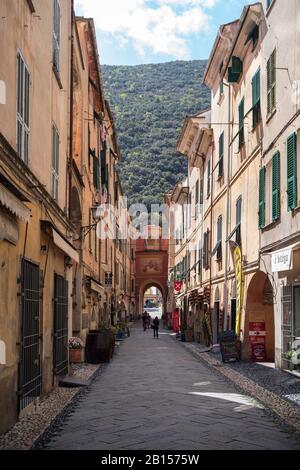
[{"x": 159, "y": 26}]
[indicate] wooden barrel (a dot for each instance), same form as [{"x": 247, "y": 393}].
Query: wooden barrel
[{"x": 98, "y": 347}]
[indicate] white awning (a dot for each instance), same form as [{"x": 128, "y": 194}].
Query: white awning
[
  {"x": 61, "y": 243},
  {"x": 13, "y": 204},
  {"x": 96, "y": 287}
]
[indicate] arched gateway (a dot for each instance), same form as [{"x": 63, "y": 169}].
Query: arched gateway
[{"x": 151, "y": 266}]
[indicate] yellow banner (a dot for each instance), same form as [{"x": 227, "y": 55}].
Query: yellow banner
[{"x": 239, "y": 275}]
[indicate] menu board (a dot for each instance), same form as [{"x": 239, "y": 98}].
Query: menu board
[{"x": 230, "y": 349}]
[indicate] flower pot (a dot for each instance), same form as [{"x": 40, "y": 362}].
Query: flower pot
[{"x": 75, "y": 356}]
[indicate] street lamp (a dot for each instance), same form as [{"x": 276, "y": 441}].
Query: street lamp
[{"x": 96, "y": 214}]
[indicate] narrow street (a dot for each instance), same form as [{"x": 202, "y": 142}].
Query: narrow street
[{"x": 156, "y": 395}]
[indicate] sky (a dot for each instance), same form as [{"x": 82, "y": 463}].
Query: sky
[{"x": 132, "y": 32}]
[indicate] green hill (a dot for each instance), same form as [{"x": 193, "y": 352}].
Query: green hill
[{"x": 149, "y": 103}]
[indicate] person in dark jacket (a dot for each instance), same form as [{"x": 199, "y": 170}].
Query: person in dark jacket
[{"x": 155, "y": 327}]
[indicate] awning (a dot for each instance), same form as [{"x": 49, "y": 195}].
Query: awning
[
  {"x": 96, "y": 287},
  {"x": 13, "y": 204},
  {"x": 64, "y": 246}
]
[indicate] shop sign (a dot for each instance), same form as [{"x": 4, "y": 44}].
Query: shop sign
[
  {"x": 257, "y": 335},
  {"x": 239, "y": 276},
  {"x": 178, "y": 286},
  {"x": 282, "y": 260}
]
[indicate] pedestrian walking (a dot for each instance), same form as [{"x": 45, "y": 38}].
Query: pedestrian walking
[
  {"x": 148, "y": 320},
  {"x": 145, "y": 321},
  {"x": 155, "y": 327}
]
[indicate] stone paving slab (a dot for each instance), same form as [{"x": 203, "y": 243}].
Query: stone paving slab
[{"x": 156, "y": 395}]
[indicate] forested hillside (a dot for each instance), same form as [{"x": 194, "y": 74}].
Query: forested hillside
[{"x": 149, "y": 103}]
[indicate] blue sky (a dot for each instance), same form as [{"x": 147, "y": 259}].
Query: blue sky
[{"x": 132, "y": 32}]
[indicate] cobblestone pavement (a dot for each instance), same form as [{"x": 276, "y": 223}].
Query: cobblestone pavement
[{"x": 155, "y": 395}]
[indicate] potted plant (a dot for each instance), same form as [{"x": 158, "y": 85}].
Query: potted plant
[{"x": 75, "y": 347}]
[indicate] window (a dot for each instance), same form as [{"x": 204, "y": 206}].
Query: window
[
  {"x": 276, "y": 186},
  {"x": 219, "y": 238},
  {"x": 238, "y": 220},
  {"x": 218, "y": 248},
  {"x": 292, "y": 171},
  {"x": 261, "y": 200},
  {"x": 221, "y": 155},
  {"x": 96, "y": 173},
  {"x": 55, "y": 162},
  {"x": 208, "y": 178},
  {"x": 256, "y": 113},
  {"x": 241, "y": 123},
  {"x": 271, "y": 83},
  {"x": 206, "y": 247},
  {"x": 197, "y": 200},
  {"x": 201, "y": 192},
  {"x": 269, "y": 3},
  {"x": 23, "y": 84},
  {"x": 56, "y": 34}
]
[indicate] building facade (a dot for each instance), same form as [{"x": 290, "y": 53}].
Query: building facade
[
  {"x": 36, "y": 250},
  {"x": 243, "y": 177},
  {"x": 58, "y": 164}
]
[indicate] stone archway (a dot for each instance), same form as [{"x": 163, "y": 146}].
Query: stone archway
[
  {"x": 151, "y": 265},
  {"x": 260, "y": 310}
]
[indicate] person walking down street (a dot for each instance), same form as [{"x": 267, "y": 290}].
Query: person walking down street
[
  {"x": 148, "y": 320},
  {"x": 155, "y": 327},
  {"x": 145, "y": 321}
]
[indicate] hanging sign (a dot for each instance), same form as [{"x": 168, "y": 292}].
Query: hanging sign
[
  {"x": 282, "y": 260},
  {"x": 178, "y": 286}
]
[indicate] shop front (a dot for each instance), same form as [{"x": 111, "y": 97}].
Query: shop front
[{"x": 286, "y": 271}]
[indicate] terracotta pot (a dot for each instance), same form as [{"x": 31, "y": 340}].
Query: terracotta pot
[{"x": 75, "y": 356}]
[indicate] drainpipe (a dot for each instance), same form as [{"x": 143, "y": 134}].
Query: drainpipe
[
  {"x": 210, "y": 238},
  {"x": 71, "y": 106},
  {"x": 228, "y": 210}
]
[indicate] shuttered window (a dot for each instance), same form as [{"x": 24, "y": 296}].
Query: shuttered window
[
  {"x": 256, "y": 114},
  {"x": 238, "y": 218},
  {"x": 201, "y": 192},
  {"x": 292, "y": 171},
  {"x": 262, "y": 204},
  {"x": 56, "y": 34},
  {"x": 219, "y": 237},
  {"x": 96, "y": 173},
  {"x": 241, "y": 123},
  {"x": 23, "y": 87},
  {"x": 208, "y": 178},
  {"x": 271, "y": 83},
  {"x": 197, "y": 208},
  {"x": 221, "y": 155},
  {"x": 276, "y": 186},
  {"x": 55, "y": 163}
]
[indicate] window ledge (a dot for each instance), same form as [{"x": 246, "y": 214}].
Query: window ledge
[
  {"x": 269, "y": 116},
  {"x": 57, "y": 76},
  {"x": 271, "y": 225}
]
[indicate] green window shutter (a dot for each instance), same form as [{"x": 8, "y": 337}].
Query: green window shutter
[
  {"x": 241, "y": 123},
  {"x": 175, "y": 273},
  {"x": 271, "y": 83},
  {"x": 292, "y": 171},
  {"x": 276, "y": 186},
  {"x": 262, "y": 189},
  {"x": 256, "y": 99},
  {"x": 208, "y": 178},
  {"x": 221, "y": 154}
]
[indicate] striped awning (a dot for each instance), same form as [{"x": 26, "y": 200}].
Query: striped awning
[{"x": 13, "y": 204}]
